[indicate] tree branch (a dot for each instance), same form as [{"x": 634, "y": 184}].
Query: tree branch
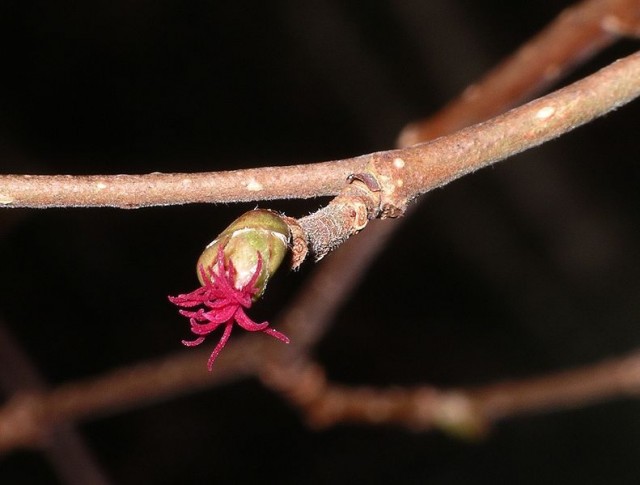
[
  {"x": 28, "y": 418},
  {"x": 402, "y": 174},
  {"x": 409, "y": 172},
  {"x": 577, "y": 33},
  {"x": 64, "y": 448},
  {"x": 393, "y": 178},
  {"x": 154, "y": 189},
  {"x": 462, "y": 412}
]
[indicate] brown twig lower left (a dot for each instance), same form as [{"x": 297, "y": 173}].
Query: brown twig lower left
[{"x": 28, "y": 418}]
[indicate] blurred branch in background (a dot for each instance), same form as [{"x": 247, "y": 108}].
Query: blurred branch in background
[
  {"x": 63, "y": 447},
  {"x": 29, "y": 418},
  {"x": 578, "y": 33},
  {"x": 466, "y": 413}
]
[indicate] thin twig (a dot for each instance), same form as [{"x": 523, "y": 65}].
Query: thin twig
[
  {"x": 411, "y": 171},
  {"x": 158, "y": 189},
  {"x": 28, "y": 418},
  {"x": 393, "y": 178},
  {"x": 64, "y": 447},
  {"x": 403, "y": 174},
  {"x": 383, "y": 182},
  {"x": 463, "y": 412},
  {"x": 577, "y": 33}
]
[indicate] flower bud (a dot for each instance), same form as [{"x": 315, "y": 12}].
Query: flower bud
[
  {"x": 258, "y": 234},
  {"x": 234, "y": 270}
]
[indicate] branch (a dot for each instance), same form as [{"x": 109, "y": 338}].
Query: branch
[
  {"x": 401, "y": 174},
  {"x": 393, "y": 178},
  {"x": 28, "y": 418},
  {"x": 462, "y": 412},
  {"x": 577, "y": 33},
  {"x": 65, "y": 449},
  {"x": 412, "y": 171},
  {"x": 154, "y": 189}
]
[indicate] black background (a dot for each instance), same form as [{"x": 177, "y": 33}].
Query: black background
[{"x": 524, "y": 268}]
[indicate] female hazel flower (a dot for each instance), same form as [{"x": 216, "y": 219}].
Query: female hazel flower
[{"x": 234, "y": 270}]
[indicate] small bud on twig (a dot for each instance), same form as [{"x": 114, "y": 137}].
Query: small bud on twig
[{"x": 234, "y": 270}]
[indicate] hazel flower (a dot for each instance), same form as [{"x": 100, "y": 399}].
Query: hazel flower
[{"x": 234, "y": 270}]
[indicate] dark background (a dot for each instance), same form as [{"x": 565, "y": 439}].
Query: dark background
[{"x": 525, "y": 268}]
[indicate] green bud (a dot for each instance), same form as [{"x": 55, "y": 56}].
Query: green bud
[{"x": 257, "y": 232}]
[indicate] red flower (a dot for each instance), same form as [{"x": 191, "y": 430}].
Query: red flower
[{"x": 222, "y": 304}]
